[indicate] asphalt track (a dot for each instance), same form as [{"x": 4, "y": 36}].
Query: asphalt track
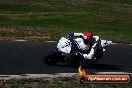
[{"x": 26, "y": 57}]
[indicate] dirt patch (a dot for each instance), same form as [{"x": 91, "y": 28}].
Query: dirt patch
[
  {"x": 7, "y": 30},
  {"x": 24, "y": 33}
]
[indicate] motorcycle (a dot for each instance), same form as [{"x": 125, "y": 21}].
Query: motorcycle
[{"x": 68, "y": 51}]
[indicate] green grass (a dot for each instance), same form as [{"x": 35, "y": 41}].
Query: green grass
[{"x": 108, "y": 19}]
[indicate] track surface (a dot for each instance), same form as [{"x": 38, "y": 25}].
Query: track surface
[{"x": 26, "y": 57}]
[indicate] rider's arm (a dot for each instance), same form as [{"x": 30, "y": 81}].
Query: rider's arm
[
  {"x": 72, "y": 34},
  {"x": 93, "y": 49},
  {"x": 78, "y": 34},
  {"x": 96, "y": 38}
]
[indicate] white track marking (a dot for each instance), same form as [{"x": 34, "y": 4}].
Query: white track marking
[
  {"x": 19, "y": 40},
  {"x": 34, "y": 76},
  {"x": 121, "y": 43},
  {"x": 130, "y": 44},
  {"x": 116, "y": 43},
  {"x": 50, "y": 41}
]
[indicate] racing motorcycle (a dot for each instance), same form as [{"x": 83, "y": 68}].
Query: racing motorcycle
[{"x": 68, "y": 51}]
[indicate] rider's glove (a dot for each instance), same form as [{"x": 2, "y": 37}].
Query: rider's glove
[
  {"x": 81, "y": 36},
  {"x": 86, "y": 56},
  {"x": 89, "y": 57}
]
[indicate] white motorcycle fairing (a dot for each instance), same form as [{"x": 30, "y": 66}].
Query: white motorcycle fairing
[{"x": 64, "y": 45}]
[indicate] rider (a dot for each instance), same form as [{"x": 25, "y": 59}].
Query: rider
[{"x": 87, "y": 42}]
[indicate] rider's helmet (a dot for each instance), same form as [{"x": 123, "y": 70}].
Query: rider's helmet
[{"x": 87, "y": 36}]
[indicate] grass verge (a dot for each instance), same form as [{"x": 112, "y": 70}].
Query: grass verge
[{"x": 51, "y": 19}]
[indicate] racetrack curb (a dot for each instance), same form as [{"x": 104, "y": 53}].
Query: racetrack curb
[
  {"x": 36, "y": 76},
  {"x": 51, "y": 76}
]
